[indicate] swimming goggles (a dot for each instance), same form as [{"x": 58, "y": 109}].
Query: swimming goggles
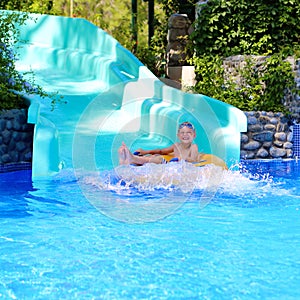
[{"x": 186, "y": 124}]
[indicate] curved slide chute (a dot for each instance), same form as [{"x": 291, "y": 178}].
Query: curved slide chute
[{"x": 108, "y": 90}]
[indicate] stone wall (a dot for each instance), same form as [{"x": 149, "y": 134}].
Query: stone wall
[
  {"x": 16, "y": 137},
  {"x": 269, "y": 135}
]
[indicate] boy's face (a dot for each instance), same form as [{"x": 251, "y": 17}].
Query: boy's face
[{"x": 186, "y": 134}]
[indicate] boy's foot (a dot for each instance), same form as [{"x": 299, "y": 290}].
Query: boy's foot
[
  {"x": 125, "y": 156},
  {"x": 122, "y": 155}
]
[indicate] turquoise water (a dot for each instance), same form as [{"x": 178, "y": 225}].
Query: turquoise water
[{"x": 235, "y": 238}]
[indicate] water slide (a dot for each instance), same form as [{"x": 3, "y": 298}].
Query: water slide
[{"x": 109, "y": 96}]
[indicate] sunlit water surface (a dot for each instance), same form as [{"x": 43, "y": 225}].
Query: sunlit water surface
[{"x": 155, "y": 232}]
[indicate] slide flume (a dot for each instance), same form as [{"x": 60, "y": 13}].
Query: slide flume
[{"x": 107, "y": 90}]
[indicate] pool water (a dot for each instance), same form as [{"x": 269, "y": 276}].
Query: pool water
[{"x": 58, "y": 242}]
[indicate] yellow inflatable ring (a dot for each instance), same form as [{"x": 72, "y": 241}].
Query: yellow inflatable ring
[{"x": 206, "y": 159}]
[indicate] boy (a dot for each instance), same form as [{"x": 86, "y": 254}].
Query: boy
[{"x": 185, "y": 149}]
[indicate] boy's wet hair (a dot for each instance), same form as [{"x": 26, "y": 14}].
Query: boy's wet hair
[{"x": 186, "y": 124}]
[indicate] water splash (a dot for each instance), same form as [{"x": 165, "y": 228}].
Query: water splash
[
  {"x": 184, "y": 177},
  {"x": 152, "y": 192}
]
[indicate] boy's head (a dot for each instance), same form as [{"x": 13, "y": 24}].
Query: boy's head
[
  {"x": 186, "y": 129},
  {"x": 186, "y": 124}
]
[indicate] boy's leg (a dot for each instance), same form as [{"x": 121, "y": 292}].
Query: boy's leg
[
  {"x": 127, "y": 158},
  {"x": 156, "y": 159}
]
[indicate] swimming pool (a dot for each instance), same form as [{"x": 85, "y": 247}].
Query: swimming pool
[{"x": 243, "y": 244}]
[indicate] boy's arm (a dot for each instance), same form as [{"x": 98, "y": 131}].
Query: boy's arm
[
  {"x": 167, "y": 150},
  {"x": 162, "y": 151},
  {"x": 194, "y": 153},
  {"x": 193, "y": 156}
]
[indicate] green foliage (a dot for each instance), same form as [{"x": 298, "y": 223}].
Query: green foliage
[
  {"x": 169, "y": 6},
  {"x": 210, "y": 75},
  {"x": 28, "y": 5},
  {"x": 153, "y": 59},
  {"x": 249, "y": 86},
  {"x": 279, "y": 79},
  {"x": 13, "y": 85},
  {"x": 257, "y": 27}
]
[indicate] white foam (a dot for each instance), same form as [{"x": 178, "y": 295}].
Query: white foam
[{"x": 173, "y": 176}]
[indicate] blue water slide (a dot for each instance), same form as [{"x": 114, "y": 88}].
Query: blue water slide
[{"x": 106, "y": 89}]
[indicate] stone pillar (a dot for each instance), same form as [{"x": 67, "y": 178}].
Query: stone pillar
[
  {"x": 177, "y": 68},
  {"x": 178, "y": 32}
]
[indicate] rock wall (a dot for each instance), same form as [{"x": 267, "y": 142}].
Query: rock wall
[
  {"x": 269, "y": 135},
  {"x": 16, "y": 137}
]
